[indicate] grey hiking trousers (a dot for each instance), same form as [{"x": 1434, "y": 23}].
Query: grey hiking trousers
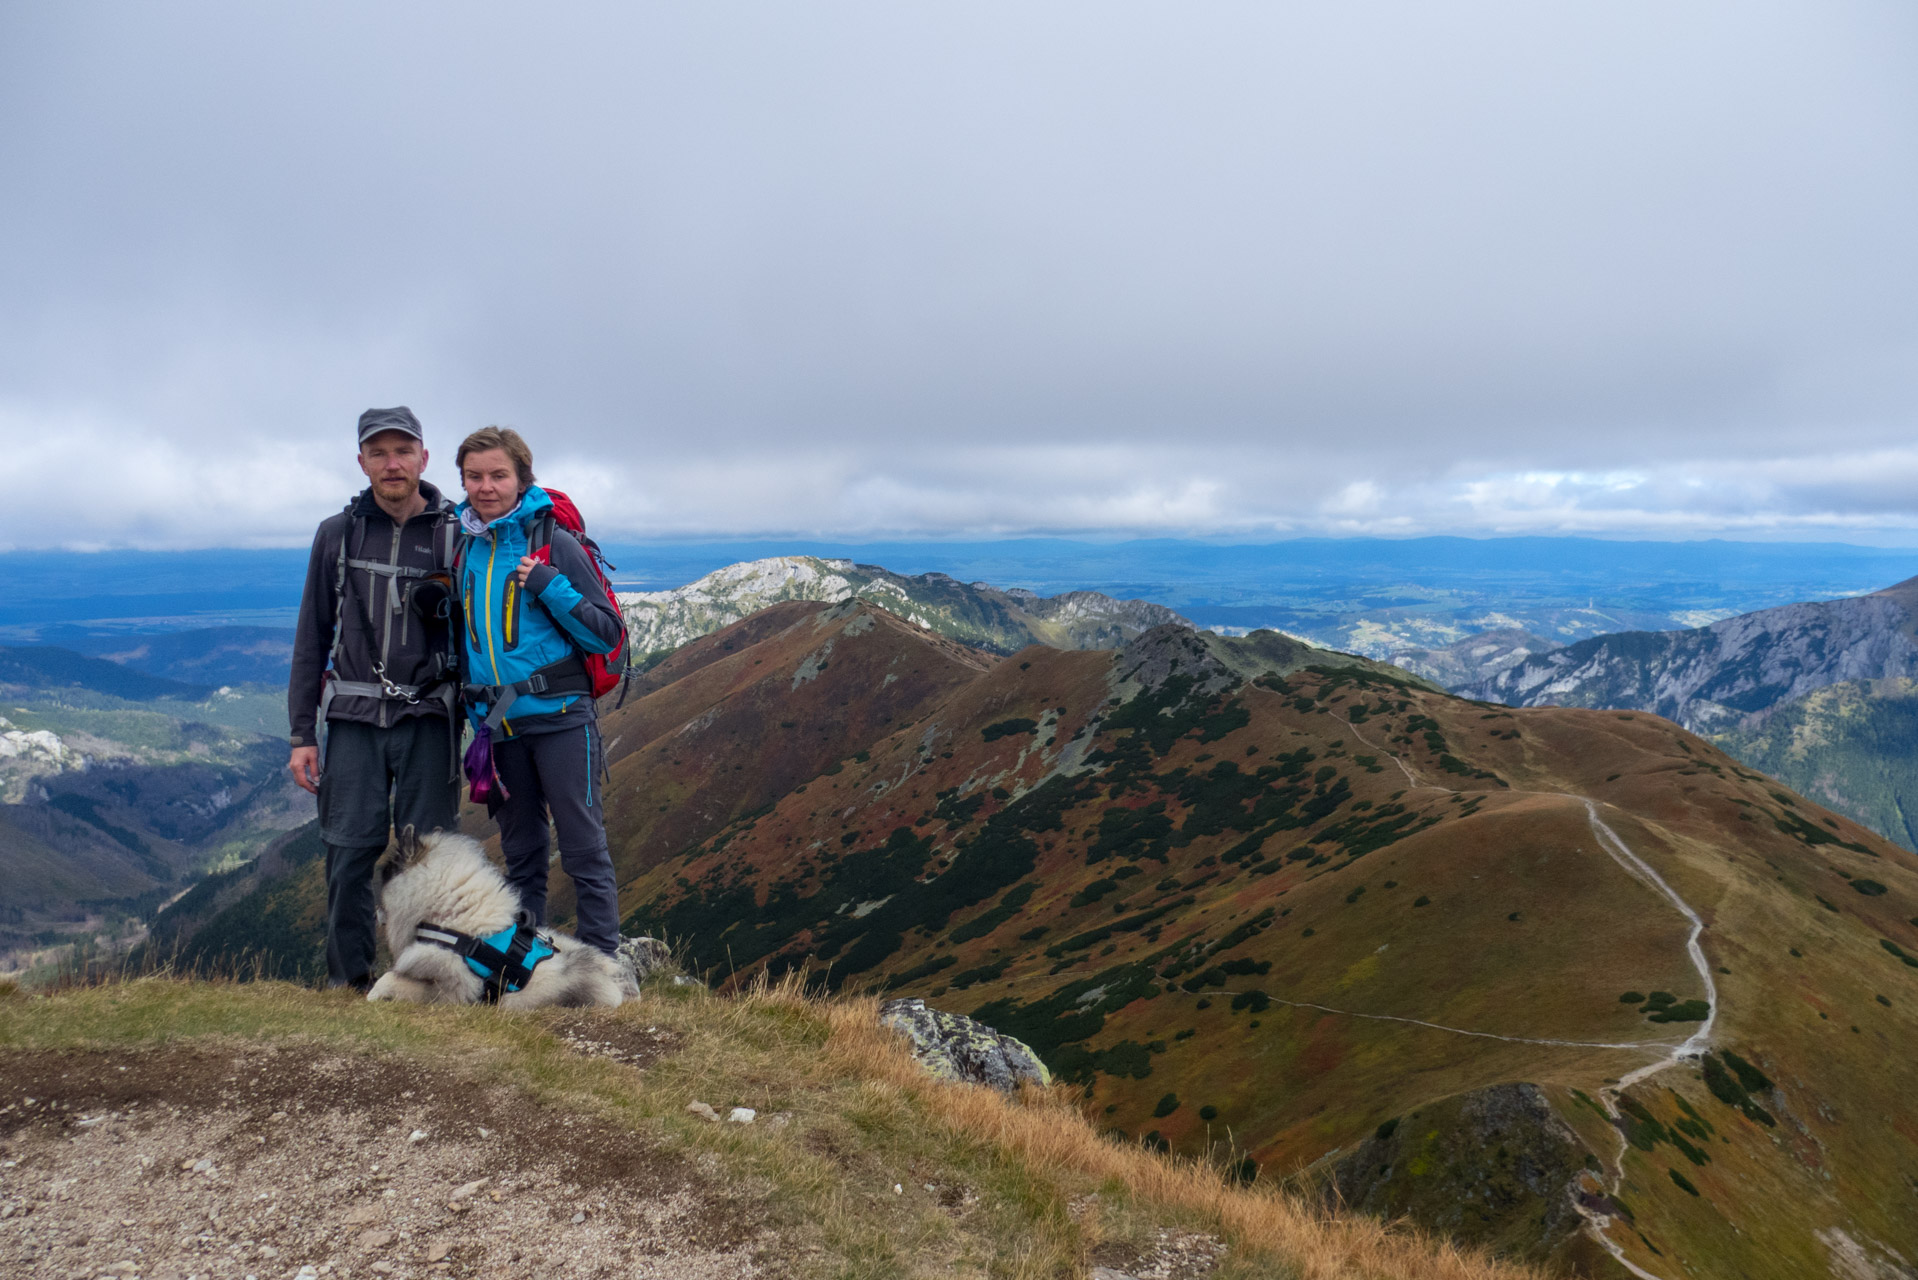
[
  {"x": 376, "y": 781},
  {"x": 558, "y": 771}
]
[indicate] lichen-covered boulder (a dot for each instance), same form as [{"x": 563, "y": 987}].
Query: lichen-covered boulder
[
  {"x": 647, "y": 956},
  {"x": 954, "y": 1047}
]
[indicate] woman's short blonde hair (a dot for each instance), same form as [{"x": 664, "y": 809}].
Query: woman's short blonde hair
[{"x": 504, "y": 438}]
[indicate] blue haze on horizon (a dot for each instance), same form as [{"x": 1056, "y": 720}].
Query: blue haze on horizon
[{"x": 1292, "y": 584}]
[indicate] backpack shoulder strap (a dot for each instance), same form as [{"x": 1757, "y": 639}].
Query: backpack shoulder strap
[
  {"x": 353, "y": 531},
  {"x": 450, "y": 541},
  {"x": 539, "y": 533}
]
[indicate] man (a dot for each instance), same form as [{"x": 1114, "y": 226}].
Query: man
[{"x": 375, "y": 678}]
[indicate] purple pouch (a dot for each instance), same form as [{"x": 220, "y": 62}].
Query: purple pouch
[{"x": 484, "y": 784}]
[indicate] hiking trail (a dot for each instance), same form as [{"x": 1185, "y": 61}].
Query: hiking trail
[{"x": 1691, "y": 1047}]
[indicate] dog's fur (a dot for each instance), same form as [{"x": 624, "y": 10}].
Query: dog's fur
[{"x": 445, "y": 879}]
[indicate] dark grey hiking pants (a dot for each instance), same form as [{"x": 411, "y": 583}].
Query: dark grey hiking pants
[
  {"x": 376, "y": 781},
  {"x": 558, "y": 771}
]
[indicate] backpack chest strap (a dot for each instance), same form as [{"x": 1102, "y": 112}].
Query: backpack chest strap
[{"x": 504, "y": 961}]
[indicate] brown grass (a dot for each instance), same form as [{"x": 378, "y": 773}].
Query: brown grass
[
  {"x": 864, "y": 1116},
  {"x": 1044, "y": 1131}
]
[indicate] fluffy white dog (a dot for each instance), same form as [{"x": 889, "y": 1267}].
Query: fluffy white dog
[{"x": 438, "y": 896}]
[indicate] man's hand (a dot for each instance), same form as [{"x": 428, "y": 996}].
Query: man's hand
[
  {"x": 526, "y": 564},
  {"x": 305, "y": 765}
]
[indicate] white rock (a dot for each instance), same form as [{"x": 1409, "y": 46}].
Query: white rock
[
  {"x": 703, "y": 1111},
  {"x": 460, "y": 1193},
  {"x": 742, "y": 1115},
  {"x": 418, "y": 1135}
]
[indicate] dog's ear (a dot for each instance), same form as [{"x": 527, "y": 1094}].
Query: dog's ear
[{"x": 408, "y": 851}]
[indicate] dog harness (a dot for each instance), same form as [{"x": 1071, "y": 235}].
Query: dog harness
[{"x": 504, "y": 961}]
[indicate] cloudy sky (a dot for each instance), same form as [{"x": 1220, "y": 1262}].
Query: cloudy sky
[{"x": 1256, "y": 269}]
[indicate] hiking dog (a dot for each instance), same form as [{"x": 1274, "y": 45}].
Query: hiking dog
[{"x": 458, "y": 937}]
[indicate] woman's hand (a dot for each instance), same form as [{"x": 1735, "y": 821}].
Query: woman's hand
[{"x": 525, "y": 570}]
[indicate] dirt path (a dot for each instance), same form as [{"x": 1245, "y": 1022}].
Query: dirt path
[
  {"x": 250, "y": 1161},
  {"x": 1691, "y": 1047}
]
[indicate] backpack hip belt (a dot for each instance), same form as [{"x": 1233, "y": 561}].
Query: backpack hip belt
[{"x": 555, "y": 679}]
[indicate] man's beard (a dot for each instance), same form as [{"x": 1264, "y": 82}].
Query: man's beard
[{"x": 385, "y": 486}]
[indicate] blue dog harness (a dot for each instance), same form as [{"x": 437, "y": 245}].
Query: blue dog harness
[{"x": 504, "y": 961}]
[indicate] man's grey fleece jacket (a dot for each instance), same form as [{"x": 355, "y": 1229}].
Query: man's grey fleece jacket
[{"x": 413, "y": 652}]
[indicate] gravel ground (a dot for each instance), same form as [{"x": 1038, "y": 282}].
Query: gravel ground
[{"x": 251, "y": 1162}]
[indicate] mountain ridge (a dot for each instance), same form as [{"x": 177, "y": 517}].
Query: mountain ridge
[
  {"x": 975, "y": 614},
  {"x": 1730, "y": 673}
]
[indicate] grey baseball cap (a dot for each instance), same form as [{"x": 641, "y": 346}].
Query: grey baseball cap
[{"x": 374, "y": 421}]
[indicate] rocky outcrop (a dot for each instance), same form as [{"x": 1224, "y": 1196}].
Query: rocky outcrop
[
  {"x": 954, "y": 1047},
  {"x": 1494, "y": 1167},
  {"x": 647, "y": 956},
  {"x": 1732, "y": 673},
  {"x": 1475, "y": 659},
  {"x": 975, "y": 614}
]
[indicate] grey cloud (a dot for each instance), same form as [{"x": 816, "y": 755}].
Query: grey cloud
[{"x": 866, "y": 268}]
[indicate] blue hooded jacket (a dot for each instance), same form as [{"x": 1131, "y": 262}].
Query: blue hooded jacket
[{"x": 507, "y": 639}]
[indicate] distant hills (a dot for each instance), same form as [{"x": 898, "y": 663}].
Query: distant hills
[
  {"x": 118, "y": 789},
  {"x": 38, "y": 668},
  {"x": 975, "y": 614},
  {"x": 1718, "y": 676},
  {"x": 1819, "y": 694},
  {"x": 204, "y": 656}
]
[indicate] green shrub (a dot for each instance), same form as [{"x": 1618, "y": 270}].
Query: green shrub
[
  {"x": 1899, "y": 952},
  {"x": 1422, "y": 901},
  {"x": 919, "y": 971},
  {"x": 1683, "y": 1183},
  {"x": 1092, "y": 893},
  {"x": 1006, "y": 728},
  {"x": 1870, "y": 888},
  {"x": 1387, "y": 1129},
  {"x": 1689, "y": 1151},
  {"x": 1751, "y": 1077},
  {"x": 1689, "y": 1011},
  {"x": 1167, "y": 1105},
  {"x": 1208, "y": 1112}
]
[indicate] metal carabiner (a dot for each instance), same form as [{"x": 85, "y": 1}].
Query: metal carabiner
[{"x": 392, "y": 690}]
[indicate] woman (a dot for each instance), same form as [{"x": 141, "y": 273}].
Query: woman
[{"x": 530, "y": 611}]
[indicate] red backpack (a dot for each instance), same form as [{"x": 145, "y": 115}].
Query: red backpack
[{"x": 604, "y": 669}]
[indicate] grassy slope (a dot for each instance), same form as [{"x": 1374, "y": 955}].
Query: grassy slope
[
  {"x": 1852, "y": 746},
  {"x": 1291, "y": 1083},
  {"x": 864, "y": 1117}
]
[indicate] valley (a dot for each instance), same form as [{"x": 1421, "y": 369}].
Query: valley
[{"x": 118, "y": 790}]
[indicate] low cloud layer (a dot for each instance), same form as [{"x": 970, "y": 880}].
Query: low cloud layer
[{"x": 863, "y": 270}]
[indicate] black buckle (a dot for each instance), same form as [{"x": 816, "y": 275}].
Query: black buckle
[{"x": 536, "y": 683}]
